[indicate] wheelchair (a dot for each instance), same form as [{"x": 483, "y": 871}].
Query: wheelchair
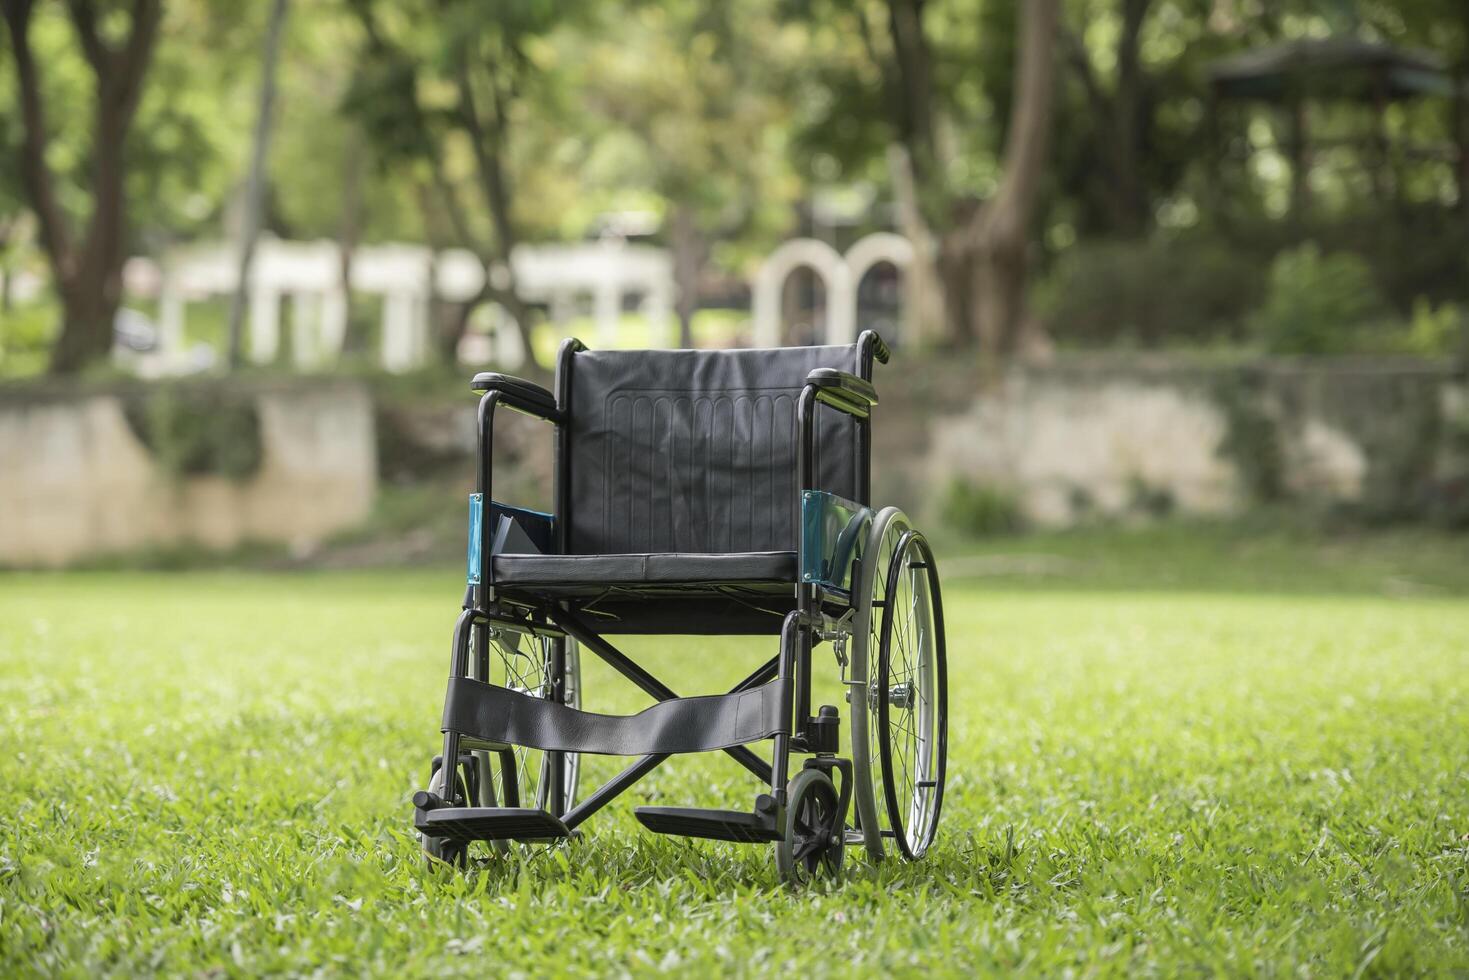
[{"x": 697, "y": 492}]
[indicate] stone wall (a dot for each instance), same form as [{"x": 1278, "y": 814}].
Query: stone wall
[
  {"x": 77, "y": 480},
  {"x": 1092, "y": 436},
  {"x": 1079, "y": 439},
  {"x": 1105, "y": 436}
]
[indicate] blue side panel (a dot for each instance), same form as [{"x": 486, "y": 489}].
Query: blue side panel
[
  {"x": 833, "y": 531},
  {"x": 536, "y": 527},
  {"x": 476, "y": 522}
]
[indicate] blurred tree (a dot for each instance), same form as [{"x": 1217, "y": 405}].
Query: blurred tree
[
  {"x": 1118, "y": 117},
  {"x": 12, "y": 196},
  {"x": 255, "y": 183},
  {"x": 444, "y": 90},
  {"x": 967, "y": 204},
  {"x": 1441, "y": 26},
  {"x": 699, "y": 88},
  {"x": 87, "y": 270},
  {"x": 981, "y": 246}
]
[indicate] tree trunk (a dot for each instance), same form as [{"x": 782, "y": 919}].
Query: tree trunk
[
  {"x": 1299, "y": 155},
  {"x": 1118, "y": 126},
  {"x": 954, "y": 263},
  {"x": 86, "y": 336},
  {"x": 487, "y": 140},
  {"x": 7, "y": 230},
  {"x": 255, "y": 183},
  {"x": 91, "y": 298},
  {"x": 451, "y": 326},
  {"x": 925, "y": 318},
  {"x": 914, "y": 86},
  {"x": 348, "y": 230},
  {"x": 1129, "y": 120},
  {"x": 690, "y": 252},
  {"x": 1459, "y": 130},
  {"x": 1459, "y": 126},
  {"x": 998, "y": 233},
  {"x": 1001, "y": 268},
  {"x": 87, "y": 273},
  {"x": 980, "y": 259}
]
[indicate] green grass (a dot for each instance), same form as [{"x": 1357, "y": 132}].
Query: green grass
[
  {"x": 209, "y": 775},
  {"x": 1289, "y": 551}
]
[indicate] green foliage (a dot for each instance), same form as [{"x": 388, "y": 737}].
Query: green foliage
[
  {"x": 464, "y": 103},
  {"x": 188, "y": 130},
  {"x": 1158, "y": 782},
  {"x": 1316, "y": 302},
  {"x": 26, "y": 335},
  {"x": 737, "y": 120},
  {"x": 980, "y": 509},
  {"x": 1149, "y": 500},
  {"x": 1156, "y": 292},
  {"x": 1253, "y": 440},
  {"x": 691, "y": 107},
  {"x": 195, "y": 431},
  {"x": 1436, "y": 331}
]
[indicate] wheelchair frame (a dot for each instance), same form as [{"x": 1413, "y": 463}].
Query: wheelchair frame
[{"x": 773, "y": 701}]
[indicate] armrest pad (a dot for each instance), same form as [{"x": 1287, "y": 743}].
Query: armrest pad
[
  {"x": 843, "y": 391},
  {"x": 517, "y": 393}
]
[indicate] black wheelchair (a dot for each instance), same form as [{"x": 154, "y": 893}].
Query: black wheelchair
[{"x": 697, "y": 492}]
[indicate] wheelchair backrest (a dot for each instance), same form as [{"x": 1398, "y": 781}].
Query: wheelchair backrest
[{"x": 695, "y": 450}]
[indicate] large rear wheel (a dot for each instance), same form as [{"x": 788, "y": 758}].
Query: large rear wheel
[
  {"x": 899, "y": 694},
  {"x": 911, "y": 688}
]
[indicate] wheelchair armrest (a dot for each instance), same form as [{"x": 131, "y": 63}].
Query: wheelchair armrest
[
  {"x": 843, "y": 391},
  {"x": 518, "y": 394}
]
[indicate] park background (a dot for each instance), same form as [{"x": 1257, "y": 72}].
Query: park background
[{"x": 1178, "y": 292}]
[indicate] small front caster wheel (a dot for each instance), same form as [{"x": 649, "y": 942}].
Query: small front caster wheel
[
  {"x": 814, "y": 843},
  {"x": 441, "y": 851}
]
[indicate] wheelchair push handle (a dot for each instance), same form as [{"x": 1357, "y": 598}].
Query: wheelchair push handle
[{"x": 869, "y": 342}]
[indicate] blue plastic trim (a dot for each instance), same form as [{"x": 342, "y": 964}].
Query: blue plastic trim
[
  {"x": 833, "y": 531},
  {"x": 535, "y": 524},
  {"x": 475, "y": 564}
]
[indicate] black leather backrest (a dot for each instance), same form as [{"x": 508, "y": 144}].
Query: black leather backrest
[{"x": 695, "y": 450}]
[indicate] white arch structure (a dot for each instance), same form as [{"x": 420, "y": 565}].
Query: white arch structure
[
  {"x": 840, "y": 275},
  {"x": 408, "y": 277}
]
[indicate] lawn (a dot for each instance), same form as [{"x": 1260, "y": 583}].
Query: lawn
[{"x": 209, "y": 774}]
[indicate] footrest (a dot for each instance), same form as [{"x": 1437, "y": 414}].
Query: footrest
[
  {"x": 734, "y": 825},
  {"x": 464, "y": 824}
]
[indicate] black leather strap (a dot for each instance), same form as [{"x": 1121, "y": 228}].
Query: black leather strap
[{"x": 697, "y": 724}]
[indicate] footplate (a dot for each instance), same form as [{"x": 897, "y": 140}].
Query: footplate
[
  {"x": 731, "y": 825},
  {"x": 465, "y": 824}
]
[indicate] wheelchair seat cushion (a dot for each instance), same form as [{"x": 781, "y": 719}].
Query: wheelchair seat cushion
[{"x": 693, "y": 571}]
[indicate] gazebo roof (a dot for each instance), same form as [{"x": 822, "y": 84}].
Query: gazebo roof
[{"x": 1335, "y": 68}]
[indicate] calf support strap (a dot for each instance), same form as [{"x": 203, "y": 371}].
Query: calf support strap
[{"x": 696, "y": 724}]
